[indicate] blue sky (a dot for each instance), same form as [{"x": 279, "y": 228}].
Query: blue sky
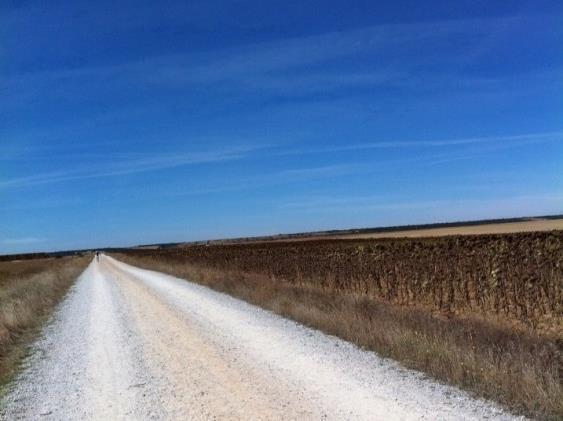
[{"x": 139, "y": 122}]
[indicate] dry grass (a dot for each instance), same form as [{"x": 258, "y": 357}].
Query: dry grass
[
  {"x": 518, "y": 365},
  {"x": 29, "y": 290}
]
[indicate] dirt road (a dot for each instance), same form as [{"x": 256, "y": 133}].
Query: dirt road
[{"x": 134, "y": 344}]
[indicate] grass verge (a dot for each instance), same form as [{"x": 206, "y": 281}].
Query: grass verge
[
  {"x": 29, "y": 291},
  {"x": 518, "y": 368}
]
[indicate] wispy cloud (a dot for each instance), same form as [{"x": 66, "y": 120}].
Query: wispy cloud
[
  {"x": 146, "y": 162},
  {"x": 388, "y": 168},
  {"x": 295, "y": 175},
  {"x": 139, "y": 163},
  {"x": 322, "y": 171},
  {"x": 21, "y": 241},
  {"x": 21, "y": 204},
  {"x": 283, "y": 67},
  {"x": 498, "y": 141},
  {"x": 488, "y": 207}
]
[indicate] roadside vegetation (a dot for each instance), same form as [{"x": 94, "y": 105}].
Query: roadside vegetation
[
  {"x": 29, "y": 290},
  {"x": 480, "y": 312}
]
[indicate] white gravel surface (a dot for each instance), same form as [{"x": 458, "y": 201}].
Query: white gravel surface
[{"x": 128, "y": 343}]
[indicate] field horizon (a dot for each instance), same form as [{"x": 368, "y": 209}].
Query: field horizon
[{"x": 471, "y": 227}]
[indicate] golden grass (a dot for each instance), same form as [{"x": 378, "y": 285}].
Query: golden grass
[
  {"x": 500, "y": 228},
  {"x": 29, "y": 290},
  {"x": 516, "y": 367}
]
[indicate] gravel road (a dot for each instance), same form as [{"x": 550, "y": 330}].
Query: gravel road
[{"x": 128, "y": 343}]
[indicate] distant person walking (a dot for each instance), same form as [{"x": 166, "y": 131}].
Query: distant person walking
[{"x": 97, "y": 256}]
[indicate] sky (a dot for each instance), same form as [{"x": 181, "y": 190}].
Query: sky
[{"x": 137, "y": 122}]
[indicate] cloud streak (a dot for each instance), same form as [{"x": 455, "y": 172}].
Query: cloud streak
[
  {"x": 488, "y": 207},
  {"x": 283, "y": 67},
  {"x": 130, "y": 166},
  {"x": 502, "y": 141},
  {"x": 141, "y": 163},
  {"x": 21, "y": 241}
]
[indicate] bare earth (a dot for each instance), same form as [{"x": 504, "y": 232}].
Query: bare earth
[{"x": 134, "y": 344}]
